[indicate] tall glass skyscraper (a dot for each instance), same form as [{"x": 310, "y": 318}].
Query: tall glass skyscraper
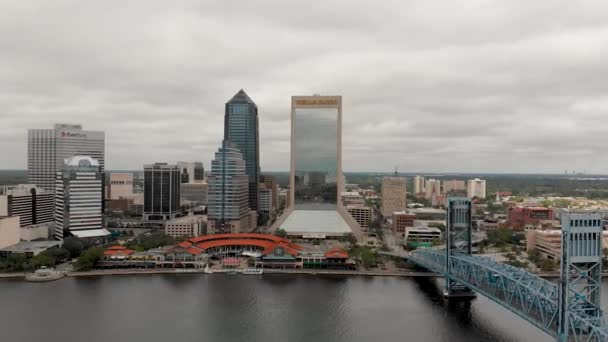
[
  {"x": 228, "y": 192},
  {"x": 316, "y": 181},
  {"x": 241, "y": 129}
]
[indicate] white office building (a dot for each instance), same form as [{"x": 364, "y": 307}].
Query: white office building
[
  {"x": 78, "y": 199},
  {"x": 48, "y": 148}
]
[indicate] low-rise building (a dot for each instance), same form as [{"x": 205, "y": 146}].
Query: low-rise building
[
  {"x": 488, "y": 224},
  {"x": 429, "y": 214},
  {"x": 9, "y": 231},
  {"x": 29, "y": 248},
  {"x": 548, "y": 242},
  {"x": 361, "y": 214},
  {"x": 352, "y": 198},
  {"x": 401, "y": 220},
  {"x": 521, "y": 217},
  {"x": 186, "y": 226},
  {"x": 422, "y": 236}
]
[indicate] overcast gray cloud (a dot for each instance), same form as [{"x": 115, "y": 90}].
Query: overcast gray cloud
[{"x": 471, "y": 86}]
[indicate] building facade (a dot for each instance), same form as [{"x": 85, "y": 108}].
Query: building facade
[
  {"x": 265, "y": 200},
  {"x": 32, "y": 204},
  {"x": 194, "y": 193},
  {"x": 393, "y": 195},
  {"x": 418, "y": 185},
  {"x": 161, "y": 192},
  {"x": 519, "y": 218},
  {"x": 432, "y": 189},
  {"x": 271, "y": 183},
  {"x": 78, "y": 197},
  {"x": 191, "y": 172},
  {"x": 453, "y": 186},
  {"x": 228, "y": 197},
  {"x": 362, "y": 214},
  {"x": 121, "y": 185},
  {"x": 9, "y": 231},
  {"x": 187, "y": 226},
  {"x": 476, "y": 188},
  {"x": 316, "y": 179},
  {"x": 48, "y": 148},
  {"x": 401, "y": 221},
  {"x": 241, "y": 129}
]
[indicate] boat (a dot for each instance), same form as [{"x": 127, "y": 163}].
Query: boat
[
  {"x": 44, "y": 274},
  {"x": 207, "y": 270},
  {"x": 253, "y": 271}
]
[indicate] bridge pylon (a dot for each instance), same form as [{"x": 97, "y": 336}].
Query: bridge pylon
[
  {"x": 458, "y": 241},
  {"x": 580, "y": 283}
]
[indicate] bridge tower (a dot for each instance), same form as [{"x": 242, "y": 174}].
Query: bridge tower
[
  {"x": 580, "y": 275},
  {"x": 458, "y": 241}
]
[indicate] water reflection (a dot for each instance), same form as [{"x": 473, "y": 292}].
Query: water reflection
[{"x": 316, "y": 155}]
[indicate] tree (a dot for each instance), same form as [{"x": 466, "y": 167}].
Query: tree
[
  {"x": 59, "y": 254},
  {"x": 73, "y": 245},
  {"x": 547, "y": 265},
  {"x": 89, "y": 258},
  {"x": 534, "y": 256},
  {"x": 280, "y": 232},
  {"x": 43, "y": 259}
]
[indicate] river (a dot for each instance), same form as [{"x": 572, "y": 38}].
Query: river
[{"x": 230, "y": 308}]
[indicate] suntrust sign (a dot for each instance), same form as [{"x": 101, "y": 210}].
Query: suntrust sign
[
  {"x": 65, "y": 134},
  {"x": 316, "y": 102}
]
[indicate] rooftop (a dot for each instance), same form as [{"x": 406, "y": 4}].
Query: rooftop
[
  {"x": 315, "y": 222},
  {"x": 31, "y": 246}
]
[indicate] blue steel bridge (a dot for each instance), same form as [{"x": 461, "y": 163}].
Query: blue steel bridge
[{"x": 568, "y": 310}]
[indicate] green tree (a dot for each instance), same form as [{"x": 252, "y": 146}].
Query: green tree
[
  {"x": 280, "y": 232},
  {"x": 74, "y": 246},
  {"x": 547, "y": 265},
  {"x": 43, "y": 259},
  {"x": 59, "y": 254},
  {"x": 89, "y": 258},
  {"x": 534, "y": 256}
]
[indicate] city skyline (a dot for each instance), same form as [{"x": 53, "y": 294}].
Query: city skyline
[{"x": 425, "y": 91}]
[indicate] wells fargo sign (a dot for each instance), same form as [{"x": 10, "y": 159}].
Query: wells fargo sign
[{"x": 316, "y": 102}]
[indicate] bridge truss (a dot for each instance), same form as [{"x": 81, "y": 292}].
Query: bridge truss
[{"x": 568, "y": 311}]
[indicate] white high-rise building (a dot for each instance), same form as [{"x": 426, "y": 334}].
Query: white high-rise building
[
  {"x": 48, "y": 148},
  {"x": 78, "y": 199},
  {"x": 476, "y": 188},
  {"x": 32, "y": 204},
  {"x": 418, "y": 185}
]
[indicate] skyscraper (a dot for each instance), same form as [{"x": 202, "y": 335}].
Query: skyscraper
[
  {"x": 393, "y": 195},
  {"x": 78, "y": 198},
  {"x": 228, "y": 210},
  {"x": 241, "y": 129},
  {"x": 48, "y": 149},
  {"x": 316, "y": 179},
  {"x": 161, "y": 192}
]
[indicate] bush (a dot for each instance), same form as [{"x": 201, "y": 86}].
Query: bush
[{"x": 89, "y": 258}]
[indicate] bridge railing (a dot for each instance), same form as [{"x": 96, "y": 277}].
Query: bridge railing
[{"x": 534, "y": 299}]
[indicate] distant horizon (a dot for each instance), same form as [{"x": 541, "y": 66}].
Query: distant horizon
[{"x": 399, "y": 173}]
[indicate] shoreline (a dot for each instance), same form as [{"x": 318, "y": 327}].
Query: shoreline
[{"x": 313, "y": 272}]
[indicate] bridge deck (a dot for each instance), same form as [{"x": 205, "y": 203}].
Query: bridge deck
[{"x": 525, "y": 294}]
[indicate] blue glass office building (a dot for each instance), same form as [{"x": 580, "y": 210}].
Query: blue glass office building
[{"x": 241, "y": 129}]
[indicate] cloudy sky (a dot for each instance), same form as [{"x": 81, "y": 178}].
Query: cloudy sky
[{"x": 465, "y": 86}]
